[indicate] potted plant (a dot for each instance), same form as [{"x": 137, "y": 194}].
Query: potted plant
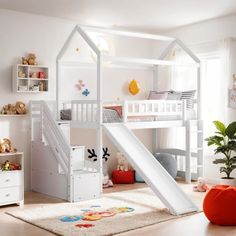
[{"x": 225, "y": 142}]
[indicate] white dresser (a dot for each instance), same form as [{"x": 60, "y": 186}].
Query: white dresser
[{"x": 12, "y": 182}]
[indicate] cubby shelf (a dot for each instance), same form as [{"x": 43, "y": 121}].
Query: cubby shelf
[{"x": 30, "y": 78}]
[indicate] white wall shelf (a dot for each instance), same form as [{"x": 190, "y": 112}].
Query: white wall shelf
[
  {"x": 30, "y": 78},
  {"x": 8, "y": 115}
]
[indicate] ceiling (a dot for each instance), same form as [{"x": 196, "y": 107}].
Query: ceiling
[{"x": 145, "y": 15}]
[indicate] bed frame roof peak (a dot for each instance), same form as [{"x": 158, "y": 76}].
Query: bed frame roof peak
[{"x": 83, "y": 31}]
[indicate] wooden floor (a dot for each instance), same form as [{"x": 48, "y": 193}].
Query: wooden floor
[{"x": 195, "y": 225}]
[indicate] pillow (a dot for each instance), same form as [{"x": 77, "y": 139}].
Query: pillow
[
  {"x": 154, "y": 95},
  {"x": 188, "y": 96},
  {"x": 173, "y": 95},
  {"x": 110, "y": 116},
  {"x": 118, "y": 109},
  {"x": 65, "y": 114}
]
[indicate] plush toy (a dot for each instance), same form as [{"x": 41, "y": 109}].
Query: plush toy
[
  {"x": 30, "y": 60},
  {"x": 20, "y": 108},
  {"x": 122, "y": 162},
  {"x": 106, "y": 182},
  {"x": 24, "y": 61},
  {"x": 7, "y": 165},
  {"x": 6, "y": 146},
  {"x": 201, "y": 185},
  {"x": 21, "y": 73},
  {"x": 8, "y": 109}
]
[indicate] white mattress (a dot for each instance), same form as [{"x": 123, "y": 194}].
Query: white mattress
[{"x": 190, "y": 115}]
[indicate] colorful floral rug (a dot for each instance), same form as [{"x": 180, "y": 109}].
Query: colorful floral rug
[{"x": 113, "y": 213}]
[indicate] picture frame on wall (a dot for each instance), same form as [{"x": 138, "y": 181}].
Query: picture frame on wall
[{"x": 232, "y": 98}]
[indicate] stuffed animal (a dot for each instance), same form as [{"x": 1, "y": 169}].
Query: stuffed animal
[
  {"x": 106, "y": 182},
  {"x": 122, "y": 162},
  {"x": 201, "y": 185},
  {"x": 6, "y": 146},
  {"x": 20, "y": 108},
  {"x": 24, "y": 61},
  {"x": 7, "y": 165},
  {"x": 21, "y": 73},
  {"x": 8, "y": 109},
  {"x": 30, "y": 60}
]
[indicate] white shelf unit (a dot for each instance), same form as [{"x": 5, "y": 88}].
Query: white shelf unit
[
  {"x": 30, "y": 78},
  {"x": 12, "y": 181}
]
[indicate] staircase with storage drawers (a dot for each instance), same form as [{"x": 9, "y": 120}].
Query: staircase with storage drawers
[{"x": 59, "y": 169}]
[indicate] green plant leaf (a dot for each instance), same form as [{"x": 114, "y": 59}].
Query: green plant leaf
[
  {"x": 219, "y": 133},
  {"x": 219, "y": 161},
  {"x": 220, "y": 126},
  {"x": 233, "y": 160},
  {"x": 230, "y": 131},
  {"x": 221, "y": 149},
  {"x": 214, "y": 140}
]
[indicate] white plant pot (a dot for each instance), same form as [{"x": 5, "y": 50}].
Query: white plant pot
[{"x": 231, "y": 182}]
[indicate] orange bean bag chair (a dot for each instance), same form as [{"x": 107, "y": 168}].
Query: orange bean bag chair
[{"x": 219, "y": 205}]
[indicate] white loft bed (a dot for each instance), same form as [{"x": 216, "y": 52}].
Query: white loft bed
[{"x": 136, "y": 114}]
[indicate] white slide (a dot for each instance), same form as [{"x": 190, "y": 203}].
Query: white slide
[{"x": 163, "y": 185}]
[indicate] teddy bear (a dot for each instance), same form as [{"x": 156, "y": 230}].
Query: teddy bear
[
  {"x": 122, "y": 162},
  {"x": 24, "y": 61},
  {"x": 32, "y": 59},
  {"x": 201, "y": 185},
  {"x": 20, "y": 108},
  {"x": 8, "y": 109},
  {"x": 6, "y": 146}
]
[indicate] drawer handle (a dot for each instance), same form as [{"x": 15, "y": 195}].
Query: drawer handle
[
  {"x": 7, "y": 195},
  {"x": 7, "y": 180}
]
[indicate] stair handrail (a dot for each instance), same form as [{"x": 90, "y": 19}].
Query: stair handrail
[{"x": 55, "y": 138}]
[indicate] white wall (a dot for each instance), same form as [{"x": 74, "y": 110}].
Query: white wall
[
  {"x": 207, "y": 31},
  {"x": 23, "y": 33},
  {"x": 210, "y": 32}
]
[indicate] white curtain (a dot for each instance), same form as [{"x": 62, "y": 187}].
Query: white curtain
[
  {"x": 218, "y": 64},
  {"x": 230, "y": 69},
  {"x": 178, "y": 79}
]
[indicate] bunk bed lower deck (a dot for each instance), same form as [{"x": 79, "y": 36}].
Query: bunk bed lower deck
[{"x": 145, "y": 114}]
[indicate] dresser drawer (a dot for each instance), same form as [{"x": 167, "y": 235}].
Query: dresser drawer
[
  {"x": 12, "y": 194},
  {"x": 10, "y": 179}
]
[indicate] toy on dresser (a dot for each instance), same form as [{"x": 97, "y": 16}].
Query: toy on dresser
[
  {"x": 7, "y": 166},
  {"x": 6, "y": 146}
]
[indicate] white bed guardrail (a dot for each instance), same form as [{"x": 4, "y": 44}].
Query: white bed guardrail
[{"x": 86, "y": 111}]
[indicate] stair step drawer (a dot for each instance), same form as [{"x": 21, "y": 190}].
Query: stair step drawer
[
  {"x": 10, "y": 179},
  {"x": 12, "y": 194}
]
